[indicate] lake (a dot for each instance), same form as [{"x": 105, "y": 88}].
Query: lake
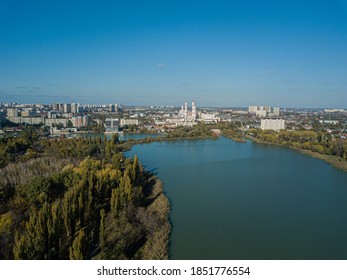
[{"x": 249, "y": 201}]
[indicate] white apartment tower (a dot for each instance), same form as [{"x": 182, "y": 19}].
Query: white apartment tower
[
  {"x": 193, "y": 111},
  {"x": 252, "y": 109},
  {"x": 113, "y": 107},
  {"x": 276, "y": 111},
  {"x": 56, "y": 107},
  {"x": 67, "y": 108},
  {"x": 272, "y": 124},
  {"x": 12, "y": 112},
  {"x": 74, "y": 108}
]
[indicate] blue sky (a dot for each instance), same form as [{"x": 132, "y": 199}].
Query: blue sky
[{"x": 220, "y": 53}]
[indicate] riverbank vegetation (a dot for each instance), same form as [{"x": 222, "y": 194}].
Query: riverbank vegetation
[
  {"x": 230, "y": 130},
  {"x": 79, "y": 199},
  {"x": 316, "y": 144},
  {"x": 200, "y": 131}
]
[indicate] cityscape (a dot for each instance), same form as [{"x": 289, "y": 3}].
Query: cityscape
[
  {"x": 58, "y": 158},
  {"x": 117, "y": 118},
  {"x": 211, "y": 134}
]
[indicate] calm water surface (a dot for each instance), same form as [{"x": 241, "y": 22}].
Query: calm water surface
[{"x": 249, "y": 201}]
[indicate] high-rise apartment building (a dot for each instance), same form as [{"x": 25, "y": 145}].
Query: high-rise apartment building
[
  {"x": 55, "y": 107},
  {"x": 260, "y": 111},
  {"x": 193, "y": 111},
  {"x": 67, "y": 108},
  {"x": 252, "y": 109},
  {"x": 80, "y": 121},
  {"x": 276, "y": 111},
  {"x": 113, "y": 107},
  {"x": 74, "y": 108},
  {"x": 12, "y": 112},
  {"x": 272, "y": 124}
]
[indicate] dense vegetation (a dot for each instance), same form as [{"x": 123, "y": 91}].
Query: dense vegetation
[
  {"x": 198, "y": 131},
  {"x": 79, "y": 199},
  {"x": 13, "y": 148},
  {"x": 230, "y": 130},
  {"x": 318, "y": 142}
]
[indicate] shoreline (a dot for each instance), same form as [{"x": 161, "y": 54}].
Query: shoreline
[
  {"x": 127, "y": 145},
  {"x": 160, "y": 244},
  {"x": 157, "y": 246},
  {"x": 234, "y": 138},
  {"x": 164, "y": 233},
  {"x": 330, "y": 159}
]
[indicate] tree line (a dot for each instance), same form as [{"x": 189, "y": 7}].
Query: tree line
[
  {"x": 86, "y": 202},
  {"x": 320, "y": 142}
]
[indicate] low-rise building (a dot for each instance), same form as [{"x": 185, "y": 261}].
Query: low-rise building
[
  {"x": 329, "y": 121},
  {"x": 27, "y": 120},
  {"x": 334, "y": 110},
  {"x": 124, "y": 122},
  {"x": 209, "y": 118},
  {"x": 55, "y": 122}
]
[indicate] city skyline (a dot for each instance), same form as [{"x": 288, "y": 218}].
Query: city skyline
[{"x": 291, "y": 54}]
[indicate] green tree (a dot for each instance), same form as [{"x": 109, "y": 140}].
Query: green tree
[
  {"x": 79, "y": 247},
  {"x": 102, "y": 229},
  {"x": 33, "y": 243},
  {"x": 69, "y": 124}
]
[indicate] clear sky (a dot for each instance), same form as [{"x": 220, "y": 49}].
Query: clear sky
[{"x": 146, "y": 52}]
